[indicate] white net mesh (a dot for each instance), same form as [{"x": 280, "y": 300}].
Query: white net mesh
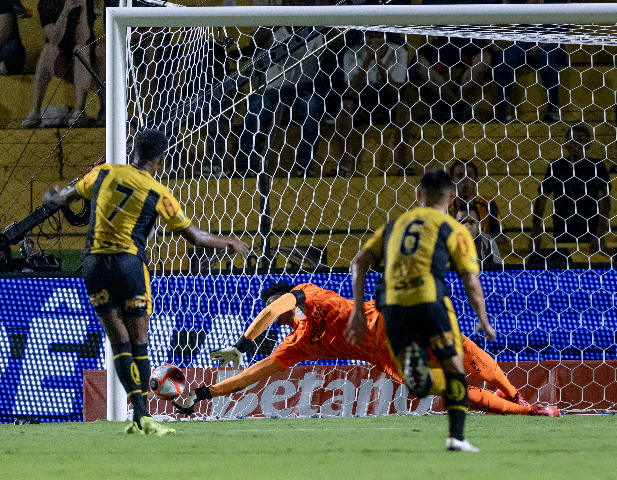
[{"x": 304, "y": 140}]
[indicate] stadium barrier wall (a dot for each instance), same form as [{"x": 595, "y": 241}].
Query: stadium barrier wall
[
  {"x": 562, "y": 322},
  {"x": 343, "y": 391}
]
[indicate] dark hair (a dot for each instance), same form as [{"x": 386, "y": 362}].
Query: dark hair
[
  {"x": 436, "y": 185},
  {"x": 275, "y": 289},
  {"x": 150, "y": 144},
  {"x": 464, "y": 164},
  {"x": 581, "y": 127}
]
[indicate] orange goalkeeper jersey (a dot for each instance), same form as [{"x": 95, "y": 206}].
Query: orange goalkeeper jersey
[{"x": 320, "y": 319}]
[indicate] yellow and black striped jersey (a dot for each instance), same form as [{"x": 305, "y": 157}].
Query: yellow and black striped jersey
[
  {"x": 417, "y": 249},
  {"x": 126, "y": 202}
]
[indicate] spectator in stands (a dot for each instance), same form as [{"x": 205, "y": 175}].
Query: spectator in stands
[
  {"x": 294, "y": 90},
  {"x": 12, "y": 51},
  {"x": 465, "y": 177},
  {"x": 547, "y": 58},
  {"x": 437, "y": 58},
  {"x": 68, "y": 26},
  {"x": 20, "y": 10},
  {"x": 434, "y": 63},
  {"x": 581, "y": 205},
  {"x": 488, "y": 252},
  {"x": 375, "y": 70}
]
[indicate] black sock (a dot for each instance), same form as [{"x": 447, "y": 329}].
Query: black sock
[
  {"x": 140, "y": 357},
  {"x": 457, "y": 403},
  {"x": 127, "y": 372}
]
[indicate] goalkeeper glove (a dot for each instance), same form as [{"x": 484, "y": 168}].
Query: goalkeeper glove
[
  {"x": 232, "y": 354},
  {"x": 196, "y": 396}
]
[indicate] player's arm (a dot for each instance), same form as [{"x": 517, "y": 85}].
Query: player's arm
[
  {"x": 535, "y": 242},
  {"x": 262, "y": 370},
  {"x": 357, "y": 325},
  {"x": 604, "y": 207},
  {"x": 464, "y": 257},
  {"x": 475, "y": 294},
  {"x": 61, "y": 197},
  {"x": 265, "y": 318},
  {"x": 201, "y": 238}
]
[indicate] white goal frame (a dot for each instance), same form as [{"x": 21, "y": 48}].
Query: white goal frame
[{"x": 118, "y": 20}]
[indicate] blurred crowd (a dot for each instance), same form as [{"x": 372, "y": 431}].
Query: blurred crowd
[{"x": 359, "y": 79}]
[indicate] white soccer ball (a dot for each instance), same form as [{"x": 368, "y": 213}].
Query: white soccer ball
[{"x": 167, "y": 382}]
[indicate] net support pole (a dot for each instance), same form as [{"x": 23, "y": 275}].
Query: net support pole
[{"x": 115, "y": 150}]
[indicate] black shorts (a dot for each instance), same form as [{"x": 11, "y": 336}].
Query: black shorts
[
  {"x": 118, "y": 281},
  {"x": 430, "y": 325}
]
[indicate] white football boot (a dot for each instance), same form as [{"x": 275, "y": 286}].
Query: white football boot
[{"x": 454, "y": 445}]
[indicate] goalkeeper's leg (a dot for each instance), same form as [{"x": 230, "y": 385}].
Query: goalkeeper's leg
[
  {"x": 482, "y": 366},
  {"x": 479, "y": 398}
]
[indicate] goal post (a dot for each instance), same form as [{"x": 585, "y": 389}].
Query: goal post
[{"x": 306, "y": 229}]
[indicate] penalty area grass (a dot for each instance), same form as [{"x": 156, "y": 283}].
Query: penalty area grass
[{"x": 337, "y": 448}]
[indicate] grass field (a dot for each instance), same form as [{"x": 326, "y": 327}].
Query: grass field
[{"x": 572, "y": 447}]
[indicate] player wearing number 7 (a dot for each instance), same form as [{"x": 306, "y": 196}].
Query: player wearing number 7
[{"x": 125, "y": 202}]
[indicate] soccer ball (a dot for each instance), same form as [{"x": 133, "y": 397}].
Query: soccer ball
[{"x": 167, "y": 382}]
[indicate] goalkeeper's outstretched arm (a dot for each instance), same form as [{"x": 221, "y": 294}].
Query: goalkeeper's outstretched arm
[
  {"x": 266, "y": 317},
  {"x": 260, "y": 371}
]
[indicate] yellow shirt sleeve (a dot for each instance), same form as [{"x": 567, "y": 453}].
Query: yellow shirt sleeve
[
  {"x": 375, "y": 244},
  {"x": 463, "y": 252},
  {"x": 85, "y": 186},
  {"x": 171, "y": 212}
]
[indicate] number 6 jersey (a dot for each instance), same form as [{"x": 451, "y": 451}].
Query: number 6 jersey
[
  {"x": 416, "y": 249},
  {"x": 125, "y": 203}
]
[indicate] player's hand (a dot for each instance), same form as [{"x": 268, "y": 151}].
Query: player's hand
[
  {"x": 356, "y": 327},
  {"x": 241, "y": 247},
  {"x": 51, "y": 195},
  {"x": 487, "y": 328},
  {"x": 188, "y": 407},
  {"x": 226, "y": 355}
]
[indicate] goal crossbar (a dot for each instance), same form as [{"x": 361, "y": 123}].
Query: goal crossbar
[{"x": 365, "y": 15}]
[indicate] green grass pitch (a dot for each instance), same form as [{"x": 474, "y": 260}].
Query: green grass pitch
[{"x": 342, "y": 448}]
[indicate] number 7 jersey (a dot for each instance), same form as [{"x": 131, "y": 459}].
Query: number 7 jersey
[
  {"x": 126, "y": 202},
  {"x": 417, "y": 249}
]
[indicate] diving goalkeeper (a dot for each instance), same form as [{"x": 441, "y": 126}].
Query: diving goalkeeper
[{"x": 318, "y": 318}]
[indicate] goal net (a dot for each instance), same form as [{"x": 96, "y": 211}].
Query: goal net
[{"x": 304, "y": 138}]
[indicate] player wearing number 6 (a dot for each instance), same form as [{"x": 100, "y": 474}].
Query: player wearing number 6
[
  {"x": 416, "y": 249},
  {"x": 125, "y": 202}
]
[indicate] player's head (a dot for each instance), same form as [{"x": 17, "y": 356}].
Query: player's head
[
  {"x": 436, "y": 189},
  {"x": 577, "y": 139},
  {"x": 465, "y": 176},
  {"x": 273, "y": 293},
  {"x": 275, "y": 290},
  {"x": 469, "y": 217},
  {"x": 374, "y": 40},
  {"x": 150, "y": 146}
]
